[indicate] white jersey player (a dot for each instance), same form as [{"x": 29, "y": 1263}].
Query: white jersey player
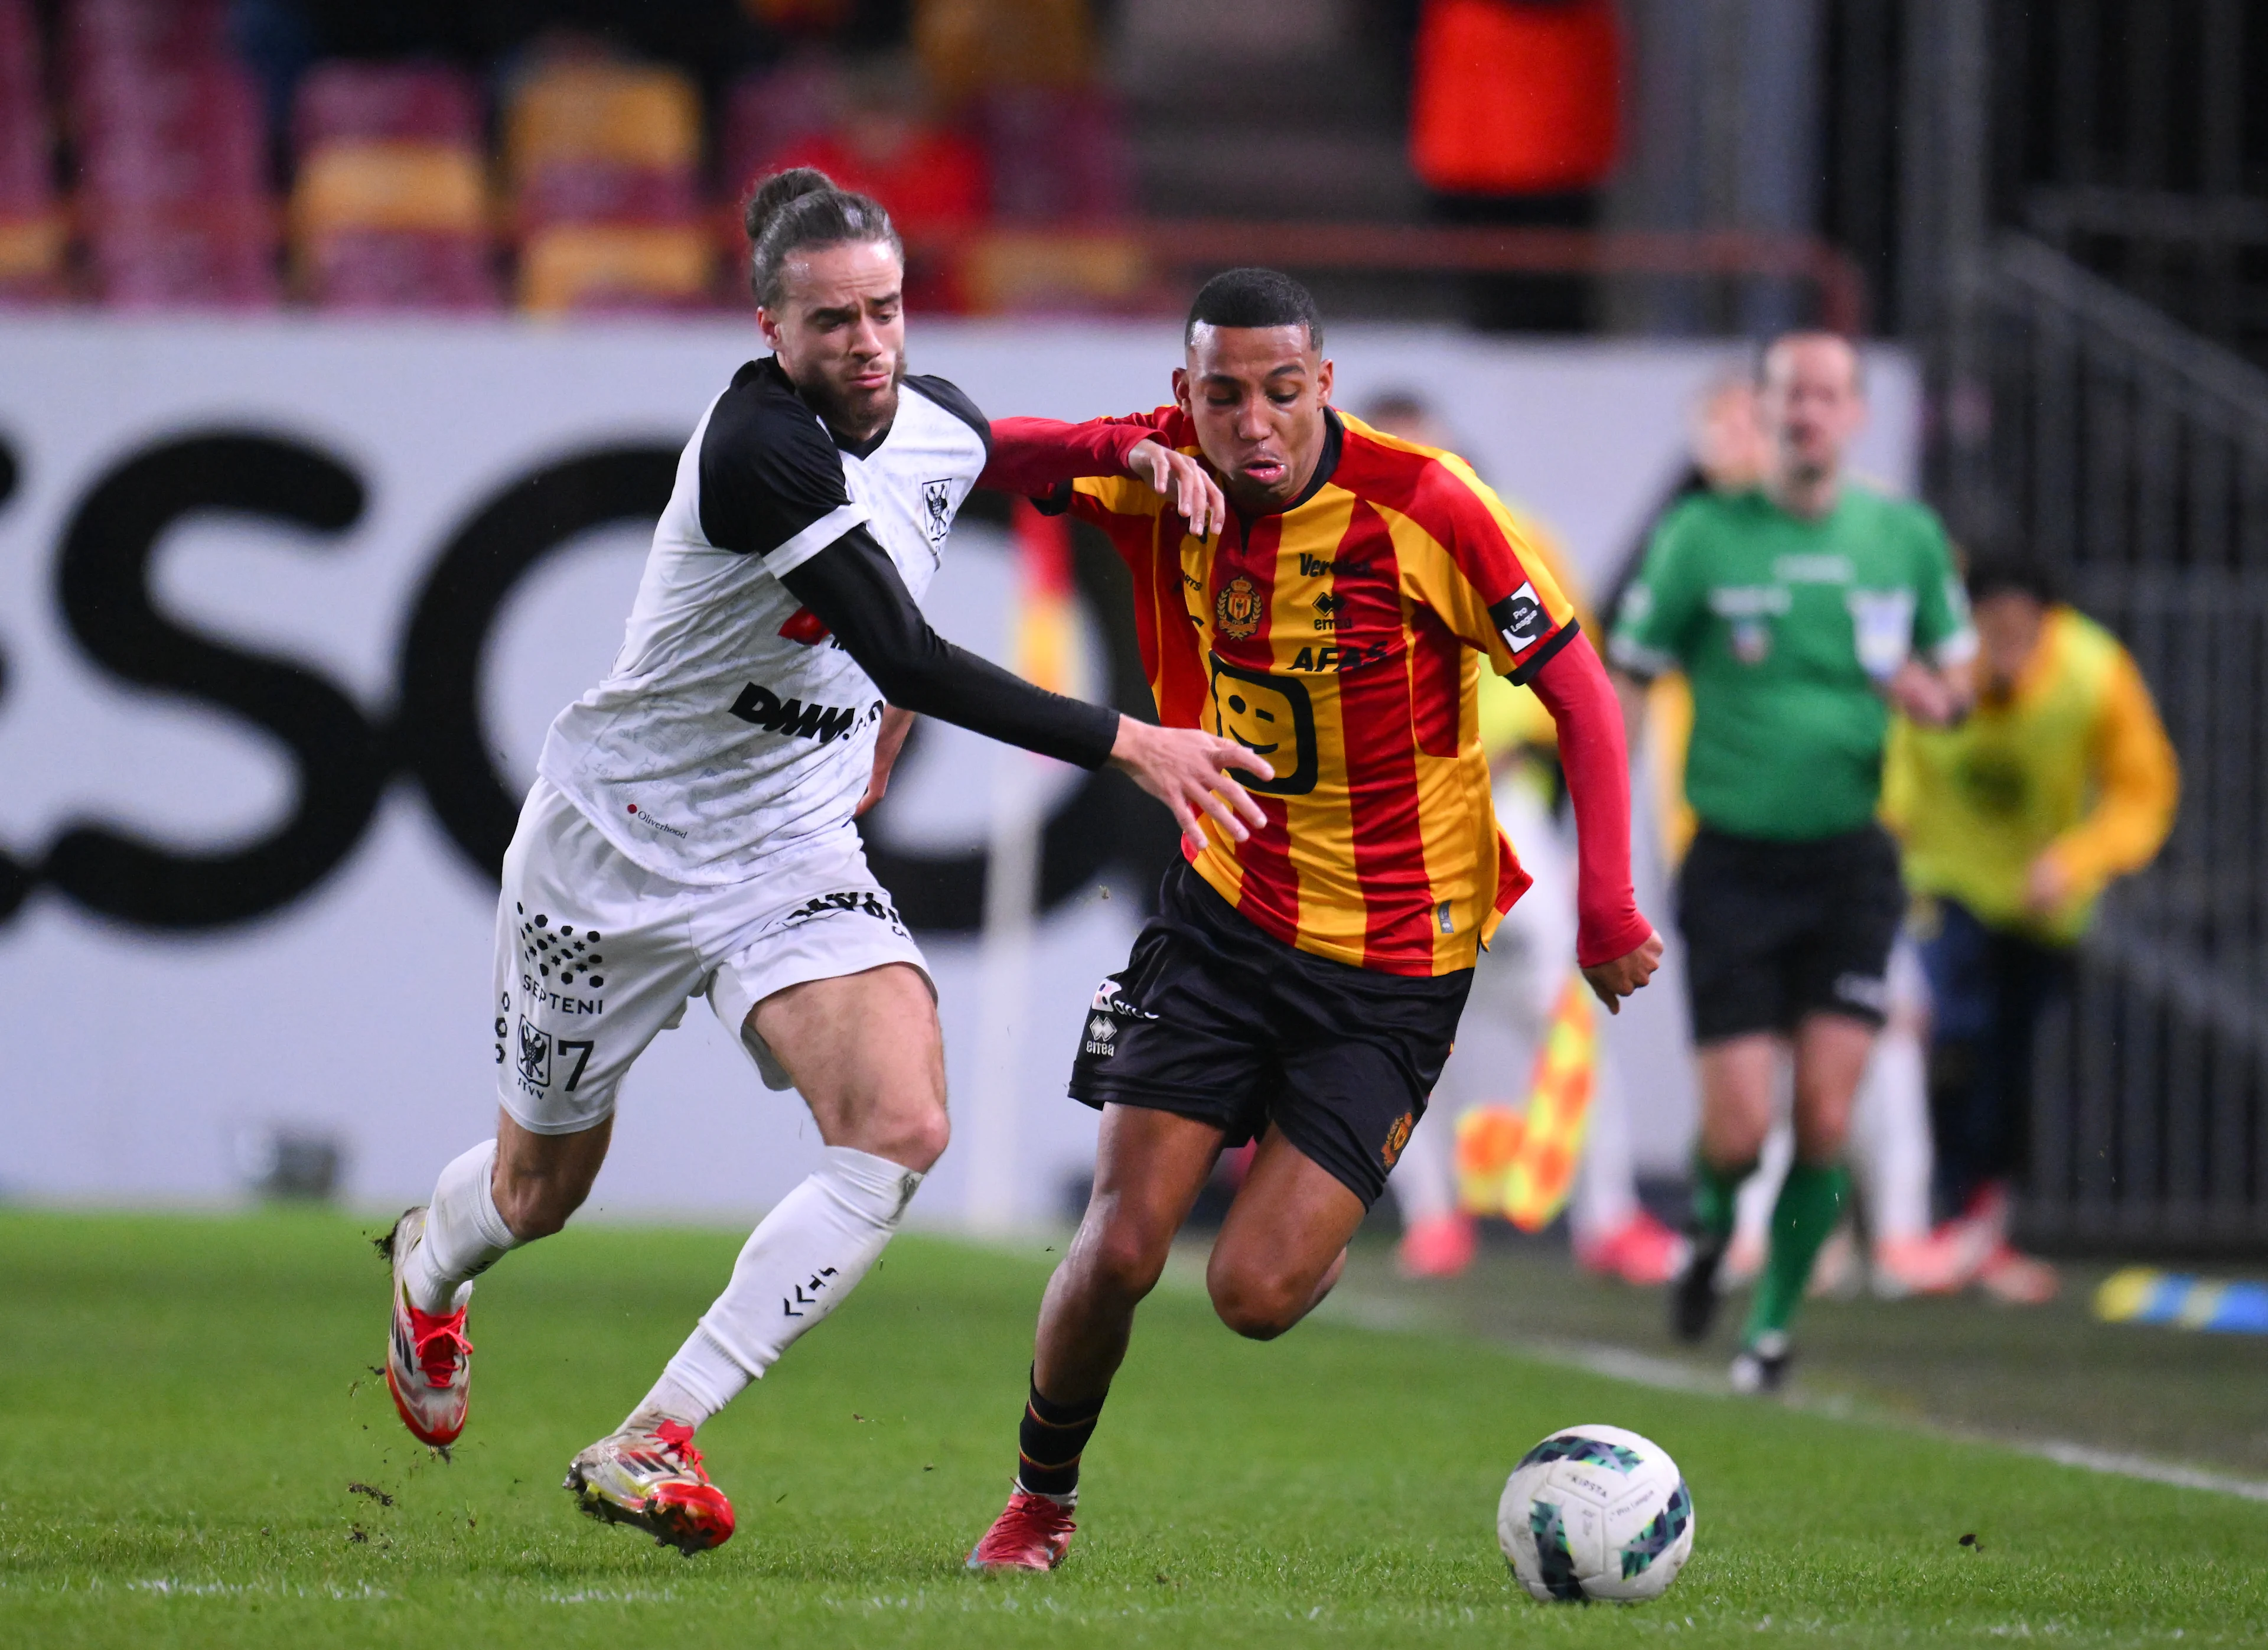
[{"x": 690, "y": 833}]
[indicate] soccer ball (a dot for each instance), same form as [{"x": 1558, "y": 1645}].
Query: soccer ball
[{"x": 1594, "y": 1511}]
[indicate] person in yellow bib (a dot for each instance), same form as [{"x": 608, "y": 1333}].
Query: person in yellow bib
[
  {"x": 1519, "y": 994},
  {"x": 2013, "y": 822}
]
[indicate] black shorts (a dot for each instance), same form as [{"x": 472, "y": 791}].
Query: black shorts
[
  {"x": 1778, "y": 931},
  {"x": 1213, "y": 1019}
]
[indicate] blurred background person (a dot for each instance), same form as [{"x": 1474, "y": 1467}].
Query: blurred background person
[
  {"x": 2013, "y": 823},
  {"x": 1515, "y": 120},
  {"x": 1889, "y": 1141},
  {"x": 1518, "y": 982},
  {"x": 1800, "y": 612}
]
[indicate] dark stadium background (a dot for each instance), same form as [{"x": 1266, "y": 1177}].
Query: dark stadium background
[{"x": 2055, "y": 213}]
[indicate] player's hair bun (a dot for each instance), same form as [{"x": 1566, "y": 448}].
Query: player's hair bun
[
  {"x": 798, "y": 208},
  {"x": 776, "y": 191}
]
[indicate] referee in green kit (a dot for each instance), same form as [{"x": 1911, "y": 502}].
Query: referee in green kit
[{"x": 1802, "y": 612}]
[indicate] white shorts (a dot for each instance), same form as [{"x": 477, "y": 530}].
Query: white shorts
[{"x": 595, "y": 955}]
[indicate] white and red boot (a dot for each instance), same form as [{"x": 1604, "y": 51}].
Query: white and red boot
[
  {"x": 649, "y": 1477},
  {"x": 429, "y": 1362}
]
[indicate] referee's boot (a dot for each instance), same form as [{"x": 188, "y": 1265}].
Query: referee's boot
[
  {"x": 1693, "y": 1295},
  {"x": 1761, "y": 1367}
]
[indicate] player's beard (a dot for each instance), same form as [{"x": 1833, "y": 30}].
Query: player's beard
[{"x": 838, "y": 411}]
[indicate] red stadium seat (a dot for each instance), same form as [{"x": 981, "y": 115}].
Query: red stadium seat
[
  {"x": 98, "y": 32},
  {"x": 352, "y": 102},
  {"x": 765, "y": 114},
  {"x": 214, "y": 256},
  {"x": 173, "y": 157},
  {"x": 1058, "y": 154},
  {"x": 391, "y": 208},
  {"x": 595, "y": 192}
]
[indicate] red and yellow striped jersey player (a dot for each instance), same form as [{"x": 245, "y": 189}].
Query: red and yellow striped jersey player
[{"x": 1326, "y": 595}]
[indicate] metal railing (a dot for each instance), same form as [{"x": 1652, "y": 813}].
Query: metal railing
[{"x": 2122, "y": 448}]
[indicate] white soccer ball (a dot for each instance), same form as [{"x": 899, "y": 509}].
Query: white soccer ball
[{"x": 1596, "y": 1512}]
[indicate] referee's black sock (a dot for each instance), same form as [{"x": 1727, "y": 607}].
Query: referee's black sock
[{"x": 1049, "y": 1443}]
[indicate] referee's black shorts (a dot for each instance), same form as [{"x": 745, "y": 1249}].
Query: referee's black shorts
[
  {"x": 1215, "y": 1020},
  {"x": 1775, "y": 930}
]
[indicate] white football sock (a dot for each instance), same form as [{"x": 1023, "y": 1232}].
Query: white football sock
[
  {"x": 810, "y": 1251},
  {"x": 1890, "y": 1136},
  {"x": 464, "y": 1233}
]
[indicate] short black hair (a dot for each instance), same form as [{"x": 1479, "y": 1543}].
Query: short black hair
[
  {"x": 1996, "y": 572},
  {"x": 1255, "y": 297}
]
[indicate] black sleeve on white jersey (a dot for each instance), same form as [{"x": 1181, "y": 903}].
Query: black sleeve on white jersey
[
  {"x": 854, "y": 588},
  {"x": 950, "y": 396},
  {"x": 770, "y": 472}
]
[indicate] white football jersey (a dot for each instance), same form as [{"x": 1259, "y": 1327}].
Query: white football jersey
[{"x": 734, "y": 731}]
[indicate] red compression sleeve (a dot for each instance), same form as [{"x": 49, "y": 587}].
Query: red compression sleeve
[
  {"x": 1032, "y": 455},
  {"x": 1574, "y": 687}
]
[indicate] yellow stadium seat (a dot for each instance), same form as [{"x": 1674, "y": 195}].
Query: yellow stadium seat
[
  {"x": 966, "y": 45},
  {"x": 1010, "y": 271},
  {"x": 433, "y": 188},
  {"x": 32, "y": 248},
  {"x": 611, "y": 113},
  {"x": 583, "y": 266}
]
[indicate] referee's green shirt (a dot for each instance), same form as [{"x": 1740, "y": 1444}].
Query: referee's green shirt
[{"x": 1783, "y": 627}]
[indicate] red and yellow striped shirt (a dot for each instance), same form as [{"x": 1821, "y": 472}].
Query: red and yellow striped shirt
[{"x": 1342, "y": 639}]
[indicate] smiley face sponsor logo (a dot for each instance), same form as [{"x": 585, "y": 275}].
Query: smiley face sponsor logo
[{"x": 1270, "y": 717}]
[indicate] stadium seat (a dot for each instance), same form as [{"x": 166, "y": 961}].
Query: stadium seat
[
  {"x": 1058, "y": 154},
  {"x": 606, "y": 114},
  {"x": 966, "y": 47},
  {"x": 391, "y": 207},
  {"x": 619, "y": 267},
  {"x": 98, "y": 33},
  {"x": 393, "y": 225},
  {"x": 172, "y": 156},
  {"x": 605, "y": 162},
  {"x": 354, "y": 102},
  {"x": 766, "y": 113},
  {"x": 1013, "y": 271},
  {"x": 32, "y": 225}
]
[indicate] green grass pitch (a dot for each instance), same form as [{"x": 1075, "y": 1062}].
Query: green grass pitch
[{"x": 193, "y": 1451}]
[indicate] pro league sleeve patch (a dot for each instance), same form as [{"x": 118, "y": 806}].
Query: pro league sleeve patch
[{"x": 1520, "y": 619}]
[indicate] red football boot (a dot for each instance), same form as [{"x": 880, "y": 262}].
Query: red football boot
[{"x": 1032, "y": 1533}]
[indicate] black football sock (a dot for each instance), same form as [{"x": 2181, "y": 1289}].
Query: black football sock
[{"x": 1050, "y": 1441}]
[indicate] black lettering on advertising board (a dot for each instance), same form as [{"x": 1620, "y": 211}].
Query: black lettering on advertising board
[{"x": 344, "y": 757}]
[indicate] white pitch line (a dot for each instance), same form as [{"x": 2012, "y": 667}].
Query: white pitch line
[
  {"x": 1185, "y": 1270},
  {"x": 1670, "y": 1375},
  {"x": 2144, "y": 1467}
]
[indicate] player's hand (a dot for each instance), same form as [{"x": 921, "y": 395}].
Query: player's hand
[
  {"x": 2048, "y": 887},
  {"x": 888, "y": 742},
  {"x": 1182, "y": 483},
  {"x": 1923, "y": 695},
  {"x": 1187, "y": 770},
  {"x": 1611, "y": 982}
]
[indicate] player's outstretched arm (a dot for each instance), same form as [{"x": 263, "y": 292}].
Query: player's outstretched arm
[
  {"x": 1033, "y": 456},
  {"x": 1614, "y": 946},
  {"x": 853, "y": 588}
]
